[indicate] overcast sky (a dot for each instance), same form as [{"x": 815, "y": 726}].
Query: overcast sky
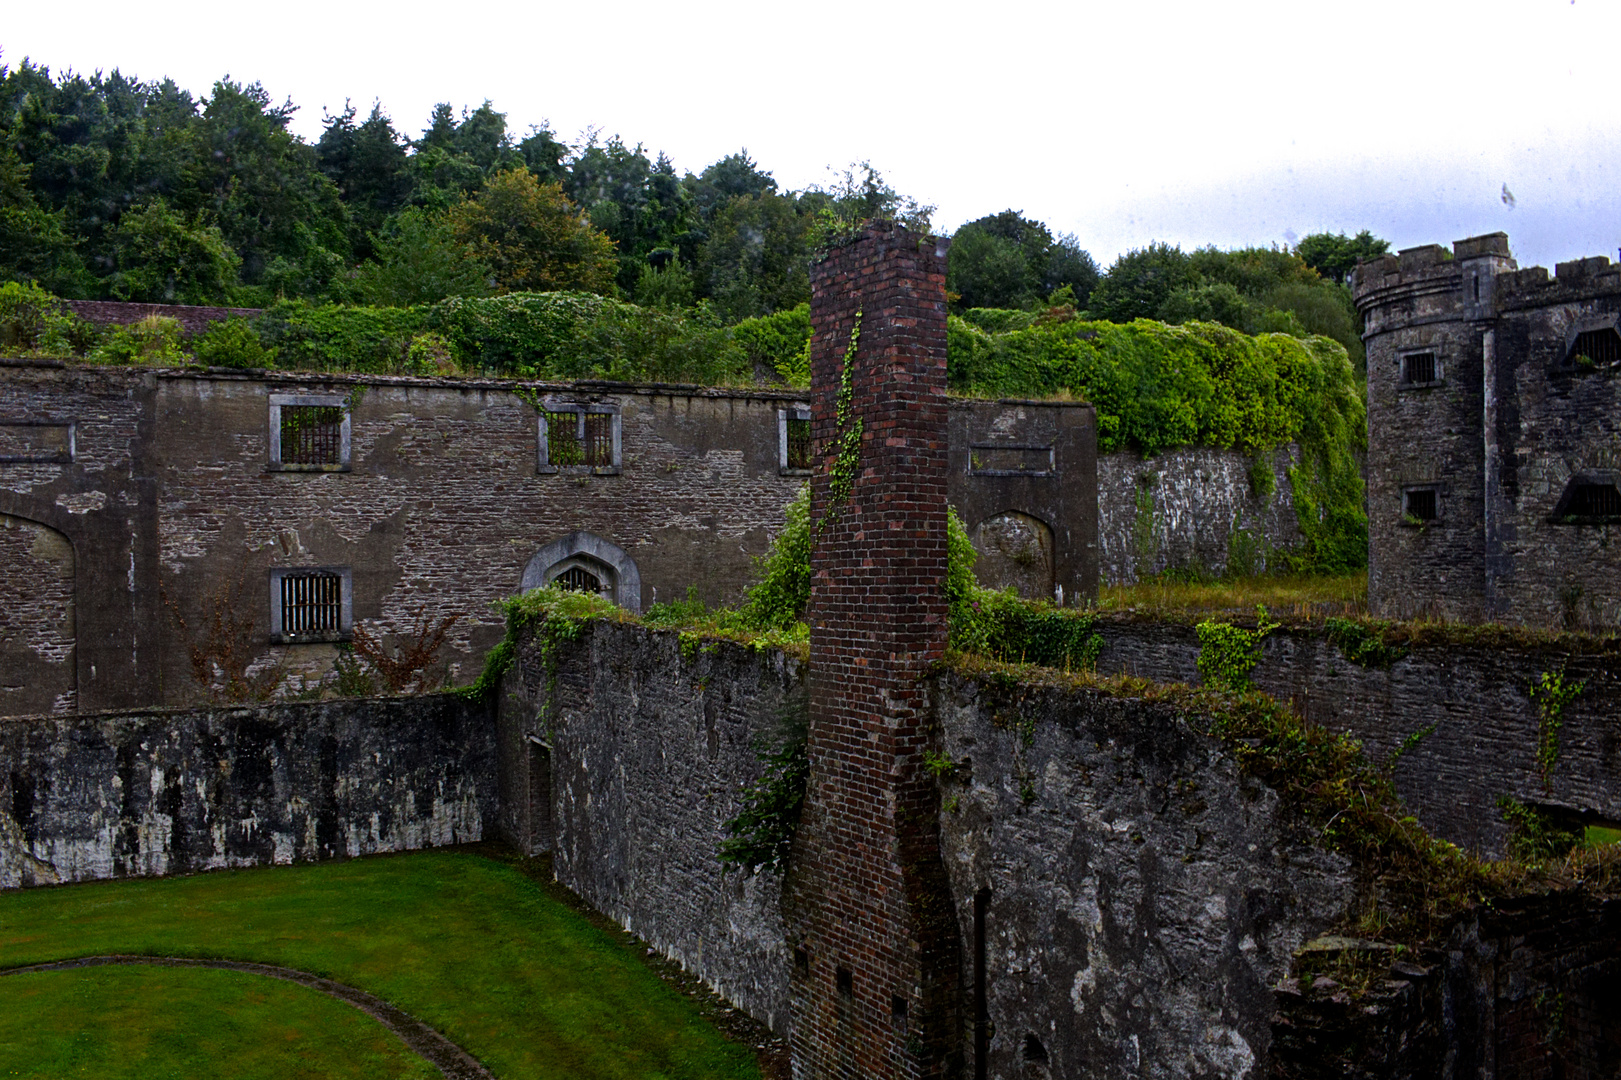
[{"x": 1191, "y": 122}]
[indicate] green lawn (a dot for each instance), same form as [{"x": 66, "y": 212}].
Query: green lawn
[
  {"x": 466, "y": 943},
  {"x": 154, "y": 1023}
]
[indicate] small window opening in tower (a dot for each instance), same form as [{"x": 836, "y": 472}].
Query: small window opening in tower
[
  {"x": 578, "y": 579},
  {"x": 897, "y": 1011},
  {"x": 799, "y": 443},
  {"x": 1033, "y": 1050},
  {"x": 1595, "y": 347},
  {"x": 1420, "y": 504},
  {"x": 1595, "y": 500},
  {"x": 1418, "y": 368}
]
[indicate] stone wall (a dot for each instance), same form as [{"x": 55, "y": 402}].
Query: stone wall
[
  {"x": 162, "y": 484},
  {"x": 1502, "y": 419},
  {"x": 1485, "y": 739},
  {"x": 1194, "y": 509},
  {"x": 174, "y": 791},
  {"x": 627, "y": 766},
  {"x": 1142, "y": 898},
  {"x": 1130, "y": 900},
  {"x": 1526, "y": 989}
]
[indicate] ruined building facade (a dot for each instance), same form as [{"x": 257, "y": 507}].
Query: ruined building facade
[
  {"x": 1494, "y": 436},
  {"x": 138, "y": 505}
]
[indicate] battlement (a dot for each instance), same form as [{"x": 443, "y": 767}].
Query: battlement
[{"x": 1432, "y": 269}]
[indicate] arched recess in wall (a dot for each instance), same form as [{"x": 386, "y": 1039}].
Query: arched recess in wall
[
  {"x": 1015, "y": 549},
  {"x": 38, "y": 631},
  {"x": 587, "y": 562}
]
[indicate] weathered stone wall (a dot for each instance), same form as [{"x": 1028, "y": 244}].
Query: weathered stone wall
[
  {"x": 175, "y": 791},
  {"x": 1142, "y": 898},
  {"x": 1508, "y": 421},
  {"x": 627, "y": 766},
  {"x": 1130, "y": 899},
  {"x": 161, "y": 483},
  {"x": 1193, "y": 508},
  {"x": 1485, "y": 739},
  {"x": 1525, "y": 989}
]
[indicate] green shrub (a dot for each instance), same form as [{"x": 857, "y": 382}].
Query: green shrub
[
  {"x": 341, "y": 337},
  {"x": 781, "y": 341},
  {"x": 233, "y": 343},
  {"x": 430, "y": 354},
  {"x": 23, "y": 311},
  {"x": 778, "y": 600},
  {"x": 153, "y": 340}
]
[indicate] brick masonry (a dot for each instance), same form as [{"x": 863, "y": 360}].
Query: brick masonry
[
  {"x": 178, "y": 791},
  {"x": 879, "y": 988}
]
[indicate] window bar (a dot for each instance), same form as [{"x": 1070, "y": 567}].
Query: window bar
[
  {"x": 799, "y": 439},
  {"x": 311, "y": 604},
  {"x": 599, "y": 438}
]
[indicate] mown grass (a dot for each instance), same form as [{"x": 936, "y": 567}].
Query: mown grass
[
  {"x": 465, "y": 943},
  {"x": 146, "y": 1022}
]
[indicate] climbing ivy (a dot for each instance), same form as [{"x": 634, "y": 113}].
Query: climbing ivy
[
  {"x": 1227, "y": 653},
  {"x": 1362, "y": 644},
  {"x": 841, "y": 475},
  {"x": 1550, "y": 693}
]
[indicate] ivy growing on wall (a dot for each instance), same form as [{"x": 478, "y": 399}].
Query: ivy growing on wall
[{"x": 1228, "y": 653}]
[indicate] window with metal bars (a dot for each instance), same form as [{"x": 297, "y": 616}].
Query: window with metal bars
[
  {"x": 1419, "y": 369},
  {"x": 578, "y": 579},
  {"x": 1593, "y": 348},
  {"x": 309, "y": 603},
  {"x": 1421, "y": 504},
  {"x": 799, "y": 444},
  {"x": 1589, "y": 500},
  {"x": 583, "y": 437},
  {"x": 309, "y": 432}
]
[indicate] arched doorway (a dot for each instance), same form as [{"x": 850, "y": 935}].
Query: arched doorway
[
  {"x": 586, "y": 562},
  {"x": 1015, "y": 550},
  {"x": 38, "y": 670}
]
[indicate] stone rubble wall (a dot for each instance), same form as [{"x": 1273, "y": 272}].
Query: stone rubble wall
[
  {"x": 1183, "y": 508},
  {"x": 1485, "y": 739},
  {"x": 175, "y": 791}
]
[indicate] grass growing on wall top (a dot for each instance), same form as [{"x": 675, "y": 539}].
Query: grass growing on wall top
[{"x": 464, "y": 943}]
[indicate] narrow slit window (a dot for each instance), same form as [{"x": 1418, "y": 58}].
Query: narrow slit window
[
  {"x": 1421, "y": 505},
  {"x": 311, "y": 605},
  {"x": 1418, "y": 368}
]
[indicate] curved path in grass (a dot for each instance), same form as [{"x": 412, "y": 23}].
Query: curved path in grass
[{"x": 438, "y": 1051}]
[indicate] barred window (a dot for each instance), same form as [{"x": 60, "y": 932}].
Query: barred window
[
  {"x": 579, "y": 437},
  {"x": 309, "y": 432},
  {"x": 794, "y": 440},
  {"x": 310, "y": 604},
  {"x": 1589, "y": 500},
  {"x": 1421, "y": 504},
  {"x": 1595, "y": 348},
  {"x": 1418, "y": 369},
  {"x": 578, "y": 579}
]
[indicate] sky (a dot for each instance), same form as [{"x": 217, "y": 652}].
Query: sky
[{"x": 1194, "y": 123}]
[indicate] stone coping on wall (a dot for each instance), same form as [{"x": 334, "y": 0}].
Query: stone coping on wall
[
  {"x": 152, "y": 711},
  {"x": 475, "y": 382}
]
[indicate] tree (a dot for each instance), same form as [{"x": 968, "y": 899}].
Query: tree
[
  {"x": 1140, "y": 282},
  {"x": 164, "y": 257},
  {"x": 1334, "y": 255},
  {"x": 757, "y": 258},
  {"x": 532, "y": 237},
  {"x": 420, "y": 260},
  {"x": 1009, "y": 261},
  {"x": 368, "y": 164}
]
